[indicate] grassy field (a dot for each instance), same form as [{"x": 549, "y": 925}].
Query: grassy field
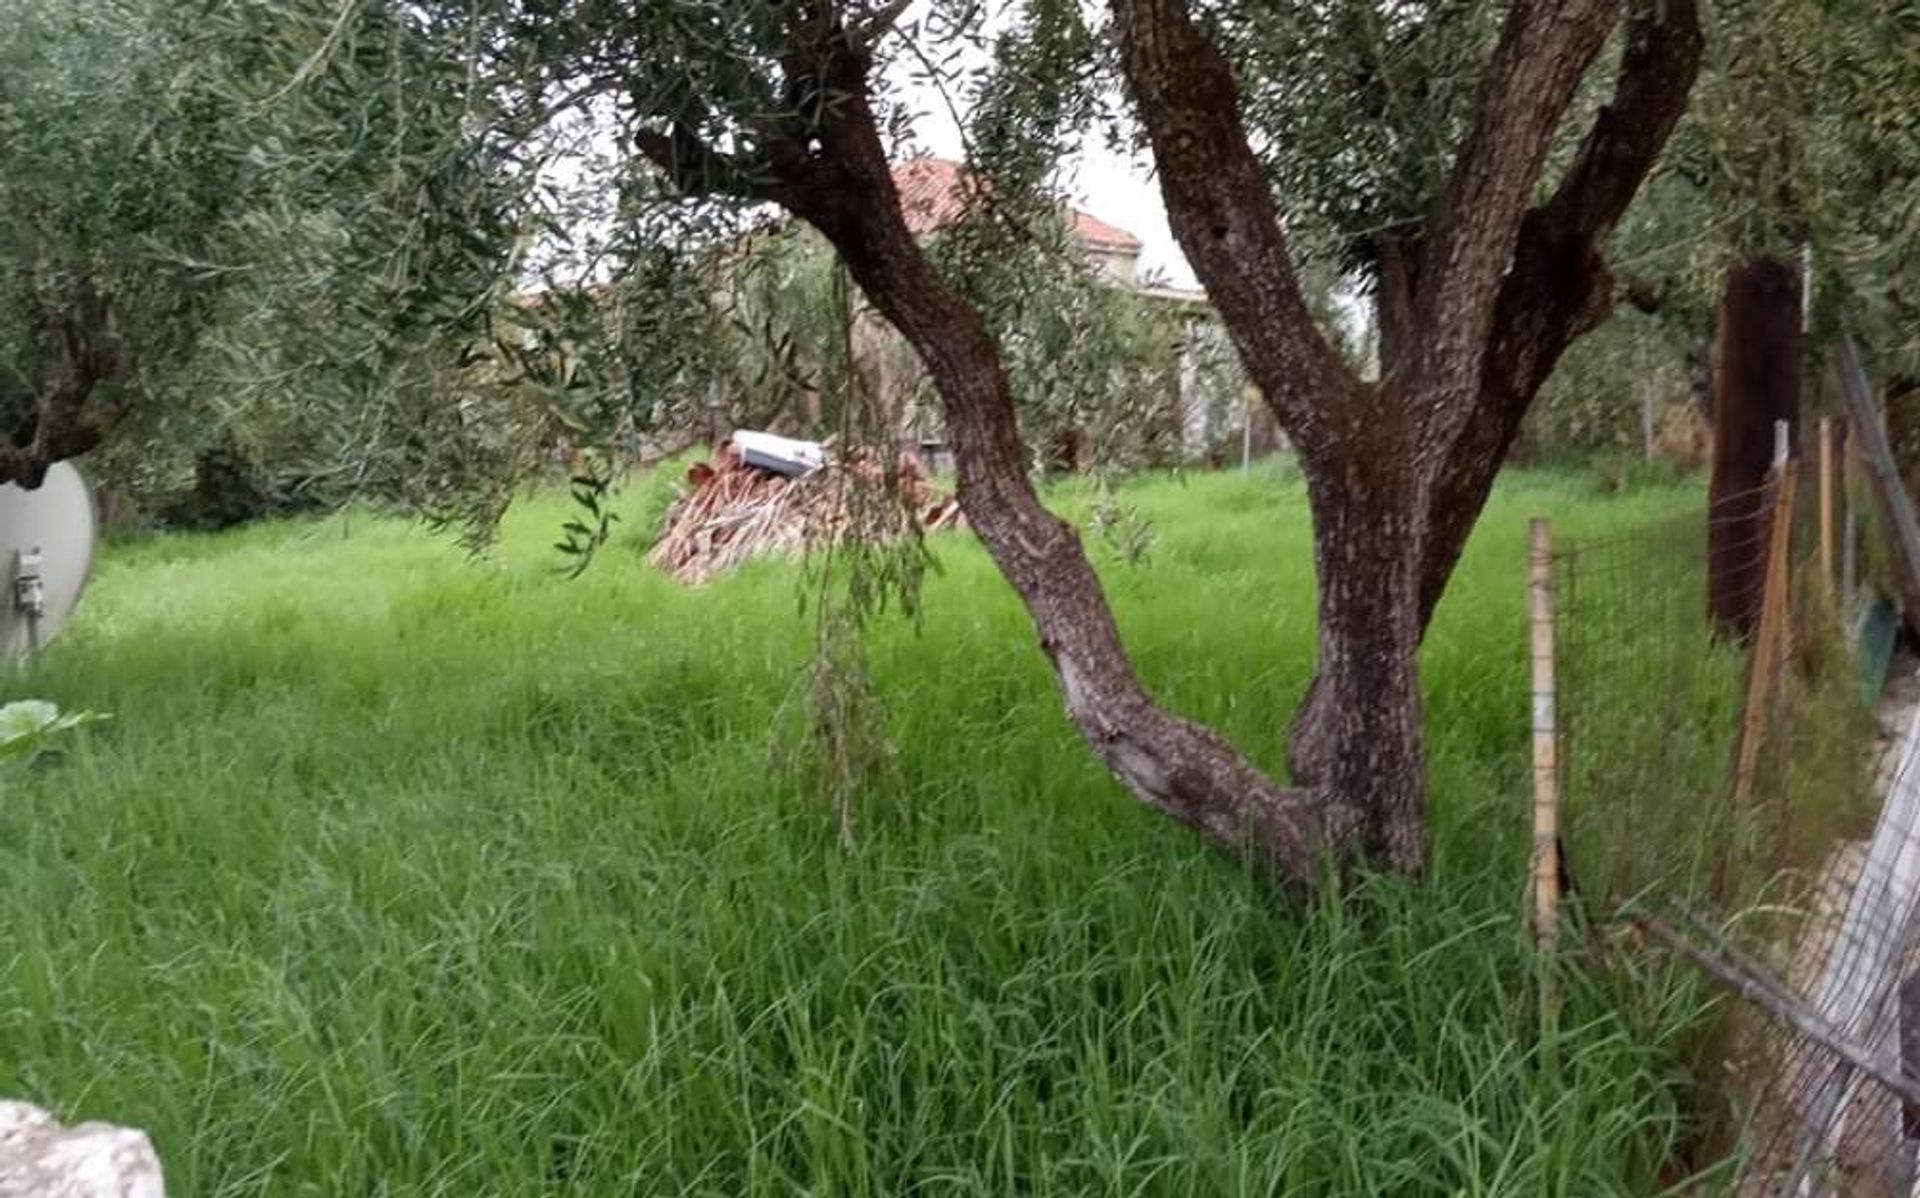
[{"x": 396, "y": 873}]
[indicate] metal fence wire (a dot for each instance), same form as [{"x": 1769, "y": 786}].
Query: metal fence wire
[
  {"x": 1649, "y": 702},
  {"x": 1725, "y": 791}
]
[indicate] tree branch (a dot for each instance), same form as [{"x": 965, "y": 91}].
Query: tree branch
[
  {"x": 1559, "y": 286},
  {"x": 1543, "y": 52},
  {"x": 1223, "y": 214},
  {"x": 697, "y": 169},
  {"x": 866, "y": 32},
  {"x": 1657, "y": 70},
  {"x": 1752, "y": 982}
]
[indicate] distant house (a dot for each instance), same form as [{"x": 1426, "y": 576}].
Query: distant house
[
  {"x": 934, "y": 194},
  {"x": 1205, "y": 407}
]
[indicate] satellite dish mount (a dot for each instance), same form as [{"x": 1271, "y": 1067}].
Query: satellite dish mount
[{"x": 30, "y": 592}]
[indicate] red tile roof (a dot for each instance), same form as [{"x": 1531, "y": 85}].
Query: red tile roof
[
  {"x": 934, "y": 193},
  {"x": 1096, "y": 232}
]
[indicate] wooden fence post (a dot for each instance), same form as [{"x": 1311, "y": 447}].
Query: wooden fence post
[
  {"x": 1546, "y": 746},
  {"x": 1850, "y": 507},
  {"x": 1826, "y": 505},
  {"x": 1769, "y": 638}
]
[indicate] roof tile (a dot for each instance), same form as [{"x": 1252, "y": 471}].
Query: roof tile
[{"x": 935, "y": 192}]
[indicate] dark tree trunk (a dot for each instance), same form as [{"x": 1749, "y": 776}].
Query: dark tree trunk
[
  {"x": 843, "y": 186},
  {"x": 1475, "y": 311},
  {"x": 1360, "y": 736},
  {"x": 1396, "y": 261},
  {"x": 1757, "y": 383}
]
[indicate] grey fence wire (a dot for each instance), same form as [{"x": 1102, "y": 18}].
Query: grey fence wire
[
  {"x": 1798, "y": 887},
  {"x": 1649, "y": 703}
]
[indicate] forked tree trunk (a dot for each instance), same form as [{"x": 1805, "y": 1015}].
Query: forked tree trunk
[
  {"x": 1476, "y": 308},
  {"x": 1756, "y": 384}
]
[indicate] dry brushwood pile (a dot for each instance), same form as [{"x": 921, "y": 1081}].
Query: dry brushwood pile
[{"x": 732, "y": 511}]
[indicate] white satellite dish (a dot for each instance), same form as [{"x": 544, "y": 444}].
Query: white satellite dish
[{"x": 46, "y": 550}]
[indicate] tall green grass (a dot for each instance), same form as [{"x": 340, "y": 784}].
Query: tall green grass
[{"x": 397, "y": 873}]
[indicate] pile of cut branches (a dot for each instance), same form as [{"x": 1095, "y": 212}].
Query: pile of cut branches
[{"x": 732, "y": 511}]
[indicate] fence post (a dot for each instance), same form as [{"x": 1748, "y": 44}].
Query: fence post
[
  {"x": 1850, "y": 509},
  {"x": 1546, "y": 747},
  {"x": 1826, "y": 505},
  {"x": 1770, "y": 636}
]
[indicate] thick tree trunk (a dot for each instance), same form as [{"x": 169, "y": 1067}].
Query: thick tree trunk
[
  {"x": 1757, "y": 382},
  {"x": 1179, "y": 767},
  {"x": 1558, "y": 288},
  {"x": 1359, "y": 735},
  {"x": 1476, "y": 308},
  {"x": 1397, "y": 259}
]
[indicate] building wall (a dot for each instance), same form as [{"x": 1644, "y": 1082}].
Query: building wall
[{"x": 1121, "y": 266}]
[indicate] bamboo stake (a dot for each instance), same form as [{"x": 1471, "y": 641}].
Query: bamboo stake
[{"x": 1546, "y": 748}]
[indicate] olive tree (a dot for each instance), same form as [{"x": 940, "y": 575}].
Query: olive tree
[
  {"x": 258, "y": 232},
  {"x": 1497, "y": 269},
  {"x": 90, "y": 183}
]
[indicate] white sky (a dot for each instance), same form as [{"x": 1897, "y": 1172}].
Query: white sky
[{"x": 1118, "y": 189}]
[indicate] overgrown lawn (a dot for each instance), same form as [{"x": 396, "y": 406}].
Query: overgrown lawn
[{"x": 397, "y": 873}]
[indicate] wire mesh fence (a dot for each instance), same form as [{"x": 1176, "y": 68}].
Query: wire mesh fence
[
  {"x": 1718, "y": 783},
  {"x": 1649, "y": 701}
]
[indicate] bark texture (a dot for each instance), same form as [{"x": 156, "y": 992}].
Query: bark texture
[
  {"x": 1559, "y": 286},
  {"x": 1484, "y": 300},
  {"x": 1756, "y": 384}
]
